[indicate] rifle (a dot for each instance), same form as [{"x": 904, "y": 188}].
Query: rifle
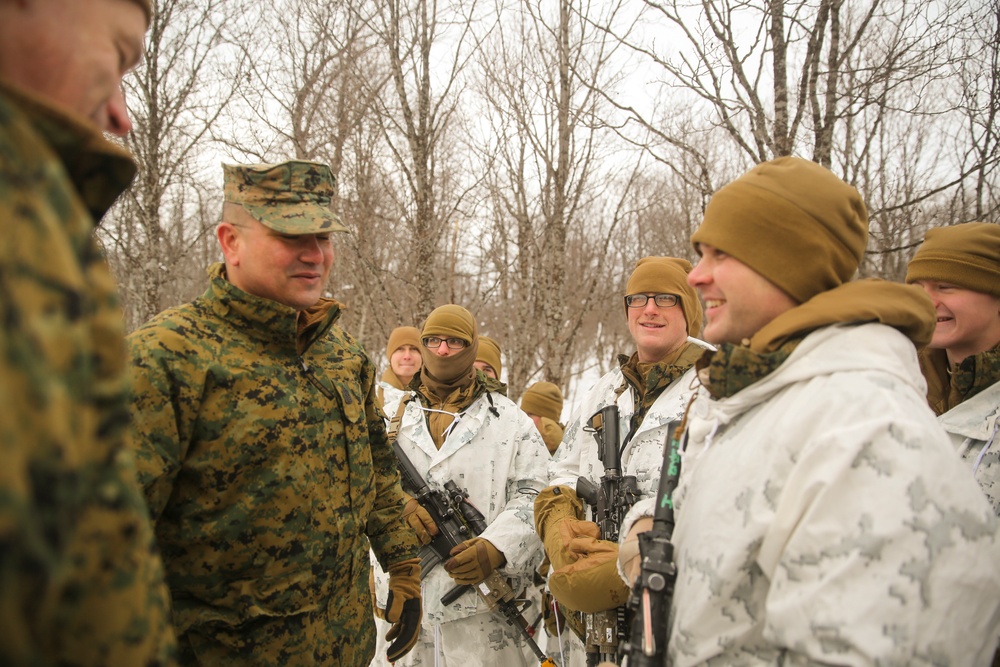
[
  {"x": 458, "y": 520},
  {"x": 654, "y": 588},
  {"x": 611, "y": 500}
]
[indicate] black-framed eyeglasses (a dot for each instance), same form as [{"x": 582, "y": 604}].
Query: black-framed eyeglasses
[
  {"x": 661, "y": 300},
  {"x": 434, "y": 342}
]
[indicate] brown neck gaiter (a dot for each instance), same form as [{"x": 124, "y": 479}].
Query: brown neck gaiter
[{"x": 446, "y": 382}]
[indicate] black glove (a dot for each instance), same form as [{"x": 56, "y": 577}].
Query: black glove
[
  {"x": 405, "y": 631},
  {"x": 402, "y": 608}
]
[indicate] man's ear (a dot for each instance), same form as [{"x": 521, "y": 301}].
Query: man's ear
[{"x": 230, "y": 242}]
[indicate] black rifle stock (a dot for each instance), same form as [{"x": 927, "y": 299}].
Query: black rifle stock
[
  {"x": 654, "y": 588},
  {"x": 611, "y": 499},
  {"x": 458, "y": 520}
]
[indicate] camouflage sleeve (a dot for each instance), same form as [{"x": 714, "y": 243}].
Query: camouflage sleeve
[
  {"x": 391, "y": 539},
  {"x": 80, "y": 581},
  {"x": 157, "y": 397}
]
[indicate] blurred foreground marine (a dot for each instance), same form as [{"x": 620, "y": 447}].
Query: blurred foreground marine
[
  {"x": 822, "y": 515},
  {"x": 262, "y": 452},
  {"x": 80, "y": 583}
]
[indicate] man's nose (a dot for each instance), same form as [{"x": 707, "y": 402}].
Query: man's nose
[{"x": 118, "y": 123}]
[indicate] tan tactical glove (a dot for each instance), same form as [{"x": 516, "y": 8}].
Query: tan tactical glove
[
  {"x": 628, "y": 556},
  {"x": 591, "y": 583},
  {"x": 557, "y": 509},
  {"x": 402, "y": 608},
  {"x": 473, "y": 560},
  {"x": 420, "y": 520}
]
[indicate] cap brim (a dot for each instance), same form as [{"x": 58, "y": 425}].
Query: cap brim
[{"x": 297, "y": 218}]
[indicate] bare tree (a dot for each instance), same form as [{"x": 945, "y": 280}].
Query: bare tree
[
  {"x": 979, "y": 77},
  {"x": 551, "y": 203},
  {"x": 861, "y": 87},
  {"x": 425, "y": 45},
  {"x": 158, "y": 234}
]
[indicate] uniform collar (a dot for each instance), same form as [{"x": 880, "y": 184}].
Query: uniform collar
[
  {"x": 99, "y": 169},
  {"x": 268, "y": 320}
]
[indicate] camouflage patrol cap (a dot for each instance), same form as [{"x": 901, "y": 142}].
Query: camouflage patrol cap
[{"x": 291, "y": 197}]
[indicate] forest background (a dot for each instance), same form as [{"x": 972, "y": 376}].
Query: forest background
[{"x": 517, "y": 157}]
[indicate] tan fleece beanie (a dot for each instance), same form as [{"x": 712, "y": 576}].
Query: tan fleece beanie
[
  {"x": 966, "y": 255},
  {"x": 543, "y": 399},
  {"x": 489, "y": 353},
  {"x": 401, "y": 336},
  {"x": 668, "y": 275},
  {"x": 792, "y": 221}
]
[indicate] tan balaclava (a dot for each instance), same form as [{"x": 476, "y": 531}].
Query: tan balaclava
[
  {"x": 399, "y": 337},
  {"x": 448, "y": 379},
  {"x": 792, "y": 221},
  {"x": 455, "y": 371},
  {"x": 545, "y": 400},
  {"x": 668, "y": 275},
  {"x": 966, "y": 255},
  {"x": 489, "y": 353}
]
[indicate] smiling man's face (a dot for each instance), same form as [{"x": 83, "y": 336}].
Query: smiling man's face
[
  {"x": 657, "y": 331},
  {"x": 289, "y": 269},
  {"x": 738, "y": 300},
  {"x": 968, "y": 322}
]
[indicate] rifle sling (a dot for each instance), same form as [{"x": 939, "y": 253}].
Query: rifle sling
[{"x": 397, "y": 418}]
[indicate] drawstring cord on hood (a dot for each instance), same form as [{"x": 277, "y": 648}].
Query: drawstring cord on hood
[
  {"x": 492, "y": 408},
  {"x": 458, "y": 415},
  {"x": 455, "y": 417}
]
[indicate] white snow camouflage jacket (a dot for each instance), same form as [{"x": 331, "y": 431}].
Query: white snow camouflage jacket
[
  {"x": 578, "y": 455},
  {"x": 495, "y": 453},
  {"x": 824, "y": 518},
  {"x": 973, "y": 426}
]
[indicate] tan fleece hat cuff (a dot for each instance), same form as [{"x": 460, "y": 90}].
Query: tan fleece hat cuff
[{"x": 966, "y": 255}]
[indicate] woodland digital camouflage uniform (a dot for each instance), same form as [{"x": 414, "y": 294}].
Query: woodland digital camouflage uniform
[
  {"x": 267, "y": 470},
  {"x": 80, "y": 583}
]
